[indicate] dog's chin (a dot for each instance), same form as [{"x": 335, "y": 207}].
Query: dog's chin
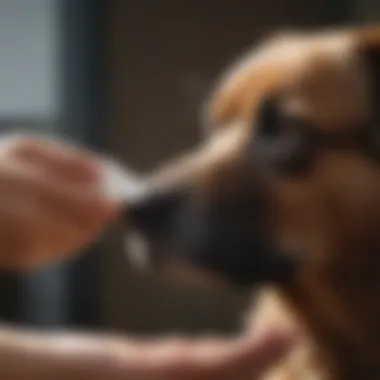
[
  {"x": 147, "y": 258},
  {"x": 222, "y": 263}
]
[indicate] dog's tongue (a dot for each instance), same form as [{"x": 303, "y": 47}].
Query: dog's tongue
[{"x": 123, "y": 184}]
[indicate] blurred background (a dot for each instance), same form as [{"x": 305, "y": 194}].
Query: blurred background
[{"x": 128, "y": 77}]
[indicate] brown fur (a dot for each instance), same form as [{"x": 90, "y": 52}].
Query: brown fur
[
  {"x": 337, "y": 297},
  {"x": 331, "y": 214}
]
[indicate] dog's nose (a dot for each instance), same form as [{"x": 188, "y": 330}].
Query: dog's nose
[{"x": 154, "y": 213}]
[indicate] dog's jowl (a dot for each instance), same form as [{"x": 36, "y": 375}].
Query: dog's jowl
[{"x": 285, "y": 194}]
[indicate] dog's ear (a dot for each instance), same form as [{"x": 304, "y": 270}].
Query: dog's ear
[{"x": 281, "y": 143}]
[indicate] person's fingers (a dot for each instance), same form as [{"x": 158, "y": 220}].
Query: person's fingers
[
  {"x": 99, "y": 358},
  {"x": 46, "y": 219},
  {"x": 219, "y": 359},
  {"x": 57, "y": 158},
  {"x": 243, "y": 357},
  {"x": 66, "y": 236},
  {"x": 22, "y": 236},
  {"x": 252, "y": 356},
  {"x": 84, "y": 202}
]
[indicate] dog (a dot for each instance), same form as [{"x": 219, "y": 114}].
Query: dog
[{"x": 283, "y": 196}]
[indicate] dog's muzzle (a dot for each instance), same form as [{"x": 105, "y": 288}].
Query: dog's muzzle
[{"x": 230, "y": 240}]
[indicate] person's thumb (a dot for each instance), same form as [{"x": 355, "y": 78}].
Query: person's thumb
[{"x": 251, "y": 356}]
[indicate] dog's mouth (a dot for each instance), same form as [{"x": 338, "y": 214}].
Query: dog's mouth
[
  {"x": 172, "y": 232},
  {"x": 153, "y": 259}
]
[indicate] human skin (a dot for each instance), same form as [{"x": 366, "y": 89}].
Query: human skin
[{"x": 52, "y": 204}]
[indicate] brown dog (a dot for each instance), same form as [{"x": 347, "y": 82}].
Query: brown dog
[{"x": 285, "y": 194}]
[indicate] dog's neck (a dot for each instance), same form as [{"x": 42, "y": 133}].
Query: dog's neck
[{"x": 340, "y": 306}]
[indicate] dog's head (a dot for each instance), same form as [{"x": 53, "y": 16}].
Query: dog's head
[{"x": 286, "y": 187}]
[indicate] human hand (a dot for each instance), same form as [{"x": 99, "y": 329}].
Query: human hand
[
  {"x": 51, "y": 201},
  {"x": 208, "y": 359},
  {"x": 71, "y": 357}
]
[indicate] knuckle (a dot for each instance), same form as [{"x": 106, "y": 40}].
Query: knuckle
[
  {"x": 22, "y": 144},
  {"x": 18, "y": 145}
]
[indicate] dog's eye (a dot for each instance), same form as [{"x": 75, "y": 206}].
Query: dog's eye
[{"x": 281, "y": 142}]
